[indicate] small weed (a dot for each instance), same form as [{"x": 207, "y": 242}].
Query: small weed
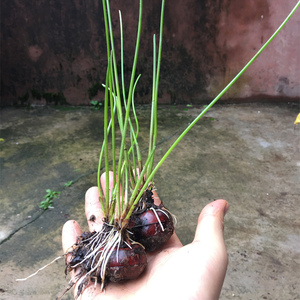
[
  {"x": 96, "y": 104},
  {"x": 69, "y": 183},
  {"x": 45, "y": 204}
]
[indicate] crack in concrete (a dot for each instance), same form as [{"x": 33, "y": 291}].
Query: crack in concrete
[{"x": 23, "y": 224}]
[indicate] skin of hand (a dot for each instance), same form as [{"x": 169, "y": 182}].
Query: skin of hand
[{"x": 194, "y": 271}]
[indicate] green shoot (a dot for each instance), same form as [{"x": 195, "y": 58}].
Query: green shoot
[
  {"x": 150, "y": 177},
  {"x": 47, "y": 203},
  {"x": 69, "y": 183},
  {"x": 119, "y": 202},
  {"x": 96, "y": 104}
]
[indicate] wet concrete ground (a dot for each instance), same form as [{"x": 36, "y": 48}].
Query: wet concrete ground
[{"x": 247, "y": 154}]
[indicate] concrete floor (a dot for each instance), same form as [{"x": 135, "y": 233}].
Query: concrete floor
[{"x": 248, "y": 154}]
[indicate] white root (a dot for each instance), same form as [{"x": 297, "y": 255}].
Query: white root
[
  {"x": 128, "y": 245},
  {"x": 90, "y": 253},
  {"x": 161, "y": 225},
  {"x": 108, "y": 249},
  {"x": 136, "y": 243},
  {"x": 101, "y": 253},
  {"x": 174, "y": 219},
  {"x": 54, "y": 260}
]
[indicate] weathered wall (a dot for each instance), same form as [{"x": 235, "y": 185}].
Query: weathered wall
[
  {"x": 55, "y": 50},
  {"x": 243, "y": 27}
]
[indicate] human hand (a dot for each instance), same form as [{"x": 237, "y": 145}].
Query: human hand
[{"x": 194, "y": 271}]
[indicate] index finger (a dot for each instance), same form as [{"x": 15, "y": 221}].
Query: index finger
[{"x": 93, "y": 211}]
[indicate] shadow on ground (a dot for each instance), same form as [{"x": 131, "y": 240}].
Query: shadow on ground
[{"x": 246, "y": 154}]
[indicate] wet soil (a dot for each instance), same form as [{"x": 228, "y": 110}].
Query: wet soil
[{"x": 248, "y": 154}]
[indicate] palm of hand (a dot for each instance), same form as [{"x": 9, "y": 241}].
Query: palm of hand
[{"x": 195, "y": 271}]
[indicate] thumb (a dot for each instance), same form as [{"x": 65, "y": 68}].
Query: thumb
[
  {"x": 209, "y": 241},
  {"x": 211, "y": 221}
]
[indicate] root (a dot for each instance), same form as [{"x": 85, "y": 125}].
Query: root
[
  {"x": 136, "y": 243},
  {"x": 54, "y": 260},
  {"x": 81, "y": 287},
  {"x": 163, "y": 210},
  {"x": 174, "y": 218},
  {"x": 161, "y": 225},
  {"x": 99, "y": 249},
  {"x": 72, "y": 282}
]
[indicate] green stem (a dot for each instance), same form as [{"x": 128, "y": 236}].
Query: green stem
[
  {"x": 123, "y": 88},
  {"x": 152, "y": 119},
  {"x": 106, "y": 29},
  {"x": 135, "y": 134},
  {"x": 153, "y": 135},
  {"x": 100, "y": 160},
  {"x": 133, "y": 153},
  {"x": 115, "y": 71},
  {"x": 122, "y": 56},
  {"x": 133, "y": 199},
  {"x": 124, "y": 129},
  {"x": 106, "y": 159},
  {"x": 208, "y": 107},
  {"x": 112, "y": 122}
]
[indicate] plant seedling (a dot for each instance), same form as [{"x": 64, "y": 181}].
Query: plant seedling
[
  {"x": 47, "y": 203},
  {"x": 69, "y": 183},
  {"x": 132, "y": 223},
  {"x": 96, "y": 104}
]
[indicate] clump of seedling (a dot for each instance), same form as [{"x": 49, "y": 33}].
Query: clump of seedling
[
  {"x": 133, "y": 224},
  {"x": 47, "y": 203}
]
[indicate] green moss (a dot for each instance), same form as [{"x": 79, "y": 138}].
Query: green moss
[
  {"x": 58, "y": 98},
  {"x": 55, "y": 98},
  {"x": 36, "y": 94},
  {"x": 66, "y": 107},
  {"x": 24, "y": 98}
]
